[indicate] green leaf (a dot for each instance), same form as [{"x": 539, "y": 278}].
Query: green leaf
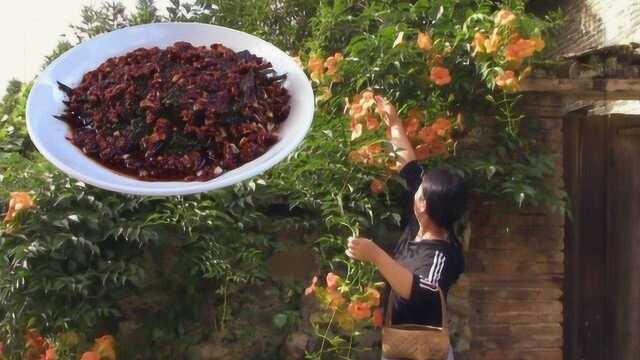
[{"x": 280, "y": 320}]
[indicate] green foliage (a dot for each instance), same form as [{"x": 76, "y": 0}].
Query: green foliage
[
  {"x": 13, "y": 133},
  {"x": 146, "y": 13},
  {"x": 111, "y": 15},
  {"x": 285, "y": 23},
  {"x": 74, "y": 260},
  {"x": 61, "y": 47},
  {"x": 9, "y": 101},
  {"x": 365, "y": 32}
]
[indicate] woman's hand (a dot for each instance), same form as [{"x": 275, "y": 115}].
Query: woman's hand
[
  {"x": 387, "y": 111},
  {"x": 401, "y": 143},
  {"x": 362, "y": 249}
]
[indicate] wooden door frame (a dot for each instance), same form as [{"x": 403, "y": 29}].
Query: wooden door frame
[
  {"x": 588, "y": 258},
  {"x": 581, "y": 239},
  {"x": 622, "y": 131}
]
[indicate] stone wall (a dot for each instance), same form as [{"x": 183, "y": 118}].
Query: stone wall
[
  {"x": 598, "y": 23},
  {"x": 509, "y": 303}
]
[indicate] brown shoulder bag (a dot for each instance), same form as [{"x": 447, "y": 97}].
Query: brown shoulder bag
[{"x": 415, "y": 342}]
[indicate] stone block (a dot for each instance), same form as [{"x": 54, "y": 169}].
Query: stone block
[
  {"x": 516, "y": 354},
  {"x": 516, "y": 336}
]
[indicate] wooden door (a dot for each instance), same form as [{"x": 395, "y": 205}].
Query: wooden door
[
  {"x": 602, "y": 294},
  {"x": 623, "y": 234}
]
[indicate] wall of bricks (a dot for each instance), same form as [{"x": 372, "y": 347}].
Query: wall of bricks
[
  {"x": 597, "y": 23},
  {"x": 509, "y": 303}
]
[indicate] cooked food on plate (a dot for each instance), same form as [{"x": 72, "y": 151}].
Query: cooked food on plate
[{"x": 184, "y": 113}]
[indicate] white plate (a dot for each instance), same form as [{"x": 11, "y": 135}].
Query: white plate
[{"x": 45, "y": 100}]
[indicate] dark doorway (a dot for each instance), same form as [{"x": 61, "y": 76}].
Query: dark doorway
[{"x": 602, "y": 175}]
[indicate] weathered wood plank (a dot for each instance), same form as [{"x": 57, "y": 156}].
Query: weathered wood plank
[
  {"x": 623, "y": 87},
  {"x": 518, "y": 354}
]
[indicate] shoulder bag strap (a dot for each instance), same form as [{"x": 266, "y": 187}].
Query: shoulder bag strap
[
  {"x": 443, "y": 307},
  {"x": 387, "y": 311}
]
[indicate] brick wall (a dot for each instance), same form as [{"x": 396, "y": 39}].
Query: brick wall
[
  {"x": 508, "y": 305},
  {"x": 598, "y": 23}
]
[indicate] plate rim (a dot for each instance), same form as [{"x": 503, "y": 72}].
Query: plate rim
[{"x": 182, "y": 188}]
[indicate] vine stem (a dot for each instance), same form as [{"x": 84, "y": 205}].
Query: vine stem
[
  {"x": 349, "y": 270},
  {"x": 511, "y": 126},
  {"x": 224, "y": 306},
  {"x": 324, "y": 337},
  {"x": 344, "y": 185},
  {"x": 350, "y": 344}
]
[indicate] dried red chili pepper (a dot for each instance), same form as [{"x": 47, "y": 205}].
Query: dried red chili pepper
[{"x": 183, "y": 113}]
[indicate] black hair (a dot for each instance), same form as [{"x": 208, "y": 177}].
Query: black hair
[{"x": 447, "y": 200}]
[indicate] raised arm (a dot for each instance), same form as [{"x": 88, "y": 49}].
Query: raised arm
[{"x": 399, "y": 139}]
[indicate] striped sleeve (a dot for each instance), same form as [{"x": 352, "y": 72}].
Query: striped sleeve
[{"x": 425, "y": 285}]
